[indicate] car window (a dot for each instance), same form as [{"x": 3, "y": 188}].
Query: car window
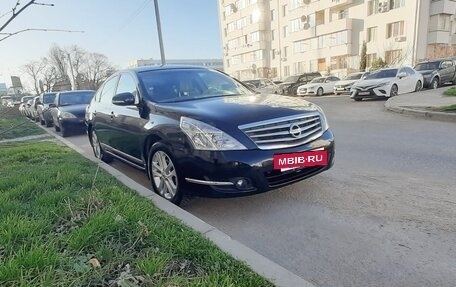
[
  {"x": 446, "y": 64},
  {"x": 186, "y": 84},
  {"x": 127, "y": 84},
  {"x": 108, "y": 90},
  {"x": 47, "y": 98},
  {"x": 409, "y": 71},
  {"x": 382, "y": 74},
  {"x": 75, "y": 98},
  {"x": 318, "y": 80}
]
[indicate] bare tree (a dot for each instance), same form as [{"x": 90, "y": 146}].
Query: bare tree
[
  {"x": 76, "y": 57},
  {"x": 57, "y": 58},
  {"x": 97, "y": 69},
  {"x": 49, "y": 75},
  {"x": 34, "y": 69}
]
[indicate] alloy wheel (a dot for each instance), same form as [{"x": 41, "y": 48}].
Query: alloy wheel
[
  {"x": 164, "y": 175},
  {"x": 393, "y": 92},
  {"x": 96, "y": 145}
]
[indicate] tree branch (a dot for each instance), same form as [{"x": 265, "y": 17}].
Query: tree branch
[
  {"x": 16, "y": 14},
  {"x": 33, "y": 29}
]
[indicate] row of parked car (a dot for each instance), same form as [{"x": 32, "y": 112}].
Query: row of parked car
[
  {"x": 65, "y": 111},
  {"x": 385, "y": 82}
]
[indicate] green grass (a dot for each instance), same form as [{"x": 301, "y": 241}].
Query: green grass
[
  {"x": 13, "y": 125},
  {"x": 53, "y": 220},
  {"x": 451, "y": 92},
  {"x": 447, "y": 109}
]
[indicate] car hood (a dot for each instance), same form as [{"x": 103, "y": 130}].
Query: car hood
[
  {"x": 232, "y": 111},
  {"x": 426, "y": 72},
  {"x": 372, "y": 82},
  {"x": 345, "y": 82},
  {"x": 77, "y": 110}
]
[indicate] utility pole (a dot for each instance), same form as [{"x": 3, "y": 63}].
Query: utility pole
[{"x": 160, "y": 39}]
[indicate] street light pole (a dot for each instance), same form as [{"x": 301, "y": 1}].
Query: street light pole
[{"x": 160, "y": 39}]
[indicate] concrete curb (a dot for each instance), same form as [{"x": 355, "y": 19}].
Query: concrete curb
[
  {"x": 441, "y": 116},
  {"x": 273, "y": 272}
]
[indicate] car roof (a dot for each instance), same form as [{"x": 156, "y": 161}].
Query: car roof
[
  {"x": 164, "y": 67},
  {"x": 75, "y": 91}
]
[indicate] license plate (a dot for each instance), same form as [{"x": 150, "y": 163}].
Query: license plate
[
  {"x": 340, "y": 89},
  {"x": 363, "y": 93},
  {"x": 289, "y": 161}
]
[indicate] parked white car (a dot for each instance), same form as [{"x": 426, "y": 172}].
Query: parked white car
[
  {"x": 387, "y": 82},
  {"x": 318, "y": 86},
  {"x": 343, "y": 86}
]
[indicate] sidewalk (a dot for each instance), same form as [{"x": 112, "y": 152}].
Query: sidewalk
[{"x": 418, "y": 104}]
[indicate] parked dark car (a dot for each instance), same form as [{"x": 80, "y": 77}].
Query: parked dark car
[
  {"x": 68, "y": 110},
  {"x": 291, "y": 84},
  {"x": 438, "y": 72},
  {"x": 197, "y": 129},
  {"x": 44, "y": 112}
]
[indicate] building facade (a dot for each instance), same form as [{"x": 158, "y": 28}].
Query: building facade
[{"x": 278, "y": 38}]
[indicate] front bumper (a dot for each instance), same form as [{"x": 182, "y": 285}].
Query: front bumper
[
  {"x": 306, "y": 92},
  {"x": 74, "y": 124},
  {"x": 216, "y": 173},
  {"x": 374, "y": 92},
  {"x": 342, "y": 90}
]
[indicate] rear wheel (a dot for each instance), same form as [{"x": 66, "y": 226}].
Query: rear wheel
[
  {"x": 97, "y": 149},
  {"x": 418, "y": 86},
  {"x": 358, "y": 99},
  {"x": 435, "y": 83},
  {"x": 163, "y": 174}
]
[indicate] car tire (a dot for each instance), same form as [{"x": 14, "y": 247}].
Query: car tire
[
  {"x": 393, "y": 91},
  {"x": 163, "y": 174},
  {"x": 319, "y": 92},
  {"x": 57, "y": 128},
  {"x": 418, "y": 86},
  {"x": 434, "y": 83},
  {"x": 47, "y": 124},
  {"x": 336, "y": 94},
  {"x": 357, "y": 99},
  {"x": 64, "y": 132},
  {"x": 97, "y": 149}
]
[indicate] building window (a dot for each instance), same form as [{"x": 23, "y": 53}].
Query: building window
[
  {"x": 273, "y": 14},
  {"x": 241, "y": 23},
  {"x": 286, "y": 71},
  {"x": 394, "y": 4},
  {"x": 285, "y": 31},
  {"x": 295, "y": 4},
  {"x": 296, "y": 25},
  {"x": 284, "y": 10},
  {"x": 319, "y": 17},
  {"x": 338, "y": 38},
  {"x": 322, "y": 64},
  {"x": 343, "y": 14},
  {"x": 272, "y": 35},
  {"x": 372, "y": 7},
  {"x": 285, "y": 52},
  {"x": 240, "y": 4},
  {"x": 440, "y": 22},
  {"x": 395, "y": 29},
  {"x": 370, "y": 58},
  {"x": 321, "y": 42},
  {"x": 273, "y": 54},
  {"x": 393, "y": 57},
  {"x": 311, "y": 20},
  {"x": 255, "y": 37},
  {"x": 339, "y": 62},
  {"x": 371, "y": 34},
  {"x": 230, "y": 27},
  {"x": 257, "y": 55},
  {"x": 299, "y": 67}
]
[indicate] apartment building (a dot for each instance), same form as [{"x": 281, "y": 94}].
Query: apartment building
[{"x": 278, "y": 38}]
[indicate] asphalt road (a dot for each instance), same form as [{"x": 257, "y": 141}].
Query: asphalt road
[{"x": 384, "y": 215}]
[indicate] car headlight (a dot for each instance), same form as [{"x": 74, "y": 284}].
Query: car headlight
[
  {"x": 382, "y": 84},
  {"x": 324, "y": 121},
  {"x": 207, "y": 137},
  {"x": 67, "y": 115}
]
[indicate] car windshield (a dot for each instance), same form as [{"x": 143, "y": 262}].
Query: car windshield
[
  {"x": 291, "y": 79},
  {"x": 75, "y": 98},
  {"x": 381, "y": 74},
  {"x": 25, "y": 99},
  {"x": 427, "y": 66},
  {"x": 356, "y": 76},
  {"x": 318, "y": 80},
  {"x": 174, "y": 85},
  {"x": 48, "y": 98}
]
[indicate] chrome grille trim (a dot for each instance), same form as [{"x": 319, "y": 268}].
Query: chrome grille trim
[{"x": 275, "y": 133}]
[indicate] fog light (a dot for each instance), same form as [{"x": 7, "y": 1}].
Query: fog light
[{"x": 242, "y": 183}]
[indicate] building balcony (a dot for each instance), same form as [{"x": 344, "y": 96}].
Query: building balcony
[
  {"x": 439, "y": 37},
  {"x": 334, "y": 26},
  {"x": 443, "y": 7},
  {"x": 335, "y": 4}
]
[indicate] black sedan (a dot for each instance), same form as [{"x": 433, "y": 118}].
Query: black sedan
[
  {"x": 197, "y": 129},
  {"x": 68, "y": 110}
]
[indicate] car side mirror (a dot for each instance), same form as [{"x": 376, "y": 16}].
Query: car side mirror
[
  {"x": 402, "y": 75},
  {"x": 52, "y": 105},
  {"x": 124, "y": 99}
]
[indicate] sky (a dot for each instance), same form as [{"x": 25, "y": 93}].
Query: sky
[{"x": 123, "y": 30}]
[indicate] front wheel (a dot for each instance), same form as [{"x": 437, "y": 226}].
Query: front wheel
[
  {"x": 393, "y": 91},
  {"x": 163, "y": 174},
  {"x": 320, "y": 92},
  {"x": 435, "y": 83}
]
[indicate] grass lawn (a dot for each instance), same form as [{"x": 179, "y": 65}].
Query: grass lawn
[
  {"x": 448, "y": 109},
  {"x": 14, "y": 126},
  {"x": 64, "y": 222},
  {"x": 451, "y": 92}
]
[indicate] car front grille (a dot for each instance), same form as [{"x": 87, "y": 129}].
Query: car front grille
[
  {"x": 277, "y": 178},
  {"x": 284, "y": 132}
]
